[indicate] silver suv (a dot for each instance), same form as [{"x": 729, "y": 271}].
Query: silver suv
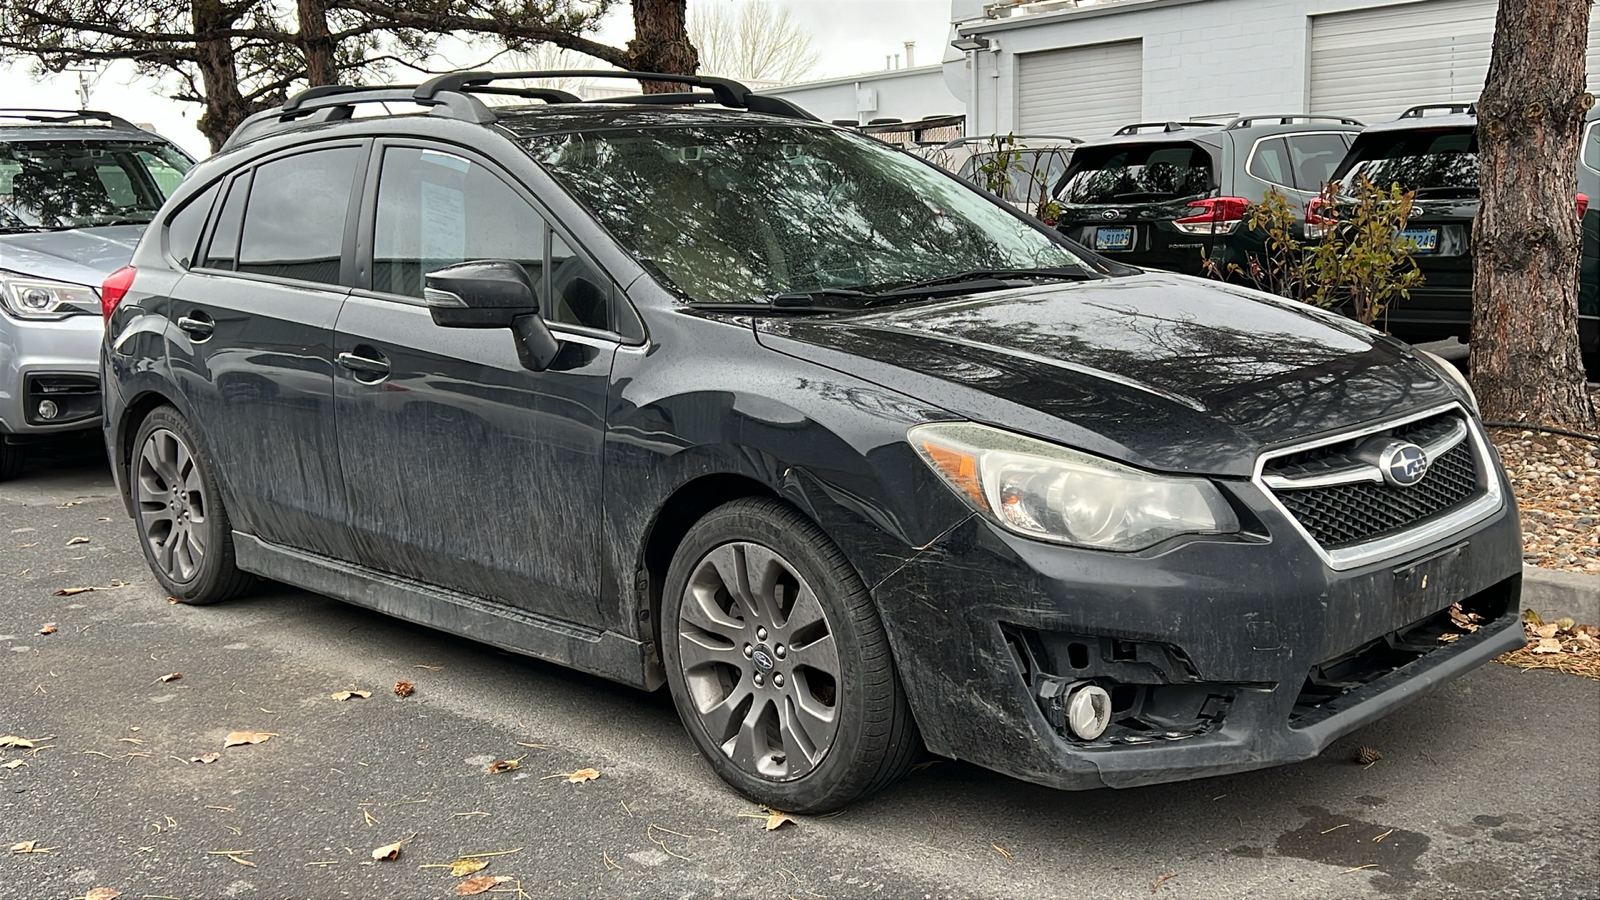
[{"x": 76, "y": 191}]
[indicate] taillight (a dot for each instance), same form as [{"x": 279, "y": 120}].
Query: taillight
[
  {"x": 1314, "y": 214},
  {"x": 114, "y": 288},
  {"x": 1218, "y": 215},
  {"x": 1583, "y": 204}
]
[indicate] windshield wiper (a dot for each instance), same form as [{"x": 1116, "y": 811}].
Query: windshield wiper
[{"x": 983, "y": 278}]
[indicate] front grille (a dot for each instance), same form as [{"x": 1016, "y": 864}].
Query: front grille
[{"x": 1351, "y": 513}]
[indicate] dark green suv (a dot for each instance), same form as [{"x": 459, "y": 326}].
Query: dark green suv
[
  {"x": 1433, "y": 150},
  {"x": 1173, "y": 195}
]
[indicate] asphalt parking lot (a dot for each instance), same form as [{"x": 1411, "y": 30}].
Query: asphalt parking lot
[{"x": 1485, "y": 788}]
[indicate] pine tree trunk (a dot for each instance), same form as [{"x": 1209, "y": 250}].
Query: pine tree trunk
[
  {"x": 1526, "y": 240},
  {"x": 316, "y": 44},
  {"x": 661, "y": 42},
  {"x": 225, "y": 105}
]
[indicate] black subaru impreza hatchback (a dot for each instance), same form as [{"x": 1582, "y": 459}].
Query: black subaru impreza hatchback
[{"x": 692, "y": 389}]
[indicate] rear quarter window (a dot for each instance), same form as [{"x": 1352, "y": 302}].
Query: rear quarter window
[{"x": 184, "y": 226}]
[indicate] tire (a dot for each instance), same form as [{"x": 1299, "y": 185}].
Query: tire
[
  {"x": 752, "y": 703},
  {"x": 11, "y": 457},
  {"x": 178, "y": 510}
]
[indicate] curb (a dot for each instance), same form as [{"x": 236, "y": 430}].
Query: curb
[{"x": 1554, "y": 593}]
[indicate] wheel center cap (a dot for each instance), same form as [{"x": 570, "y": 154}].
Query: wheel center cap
[{"x": 762, "y": 657}]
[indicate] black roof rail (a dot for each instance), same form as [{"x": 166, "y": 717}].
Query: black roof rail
[
  {"x": 451, "y": 95},
  {"x": 1290, "y": 119},
  {"x": 65, "y": 116},
  {"x": 1455, "y": 109},
  {"x": 329, "y": 103},
  {"x": 1164, "y": 126},
  {"x": 728, "y": 92}
]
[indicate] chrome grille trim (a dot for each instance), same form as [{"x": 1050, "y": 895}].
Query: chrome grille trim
[
  {"x": 1491, "y": 501},
  {"x": 1358, "y": 474}
]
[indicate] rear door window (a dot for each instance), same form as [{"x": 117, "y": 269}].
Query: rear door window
[
  {"x": 1434, "y": 162},
  {"x": 436, "y": 209},
  {"x": 294, "y": 222},
  {"x": 1591, "y": 146},
  {"x": 1313, "y": 157},
  {"x": 1138, "y": 173}
]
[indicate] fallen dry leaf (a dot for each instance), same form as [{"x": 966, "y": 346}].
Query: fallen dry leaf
[
  {"x": 170, "y": 676},
  {"x": 467, "y": 866},
  {"x": 578, "y": 777},
  {"x": 503, "y": 765},
  {"x": 390, "y": 851},
  {"x": 404, "y": 689},
  {"x": 69, "y": 504},
  {"x": 47, "y": 628},
  {"x": 1548, "y": 645},
  {"x": 11, "y": 740},
  {"x": 29, "y": 847},
  {"x": 206, "y": 758},
  {"x": 346, "y": 695},
  {"x": 776, "y": 820},
  {"x": 236, "y": 738},
  {"x": 68, "y": 592},
  {"x": 78, "y": 540},
  {"x": 1156, "y": 885},
  {"x": 102, "y": 894},
  {"x": 13, "y": 764},
  {"x": 480, "y": 884},
  {"x": 1547, "y": 630}
]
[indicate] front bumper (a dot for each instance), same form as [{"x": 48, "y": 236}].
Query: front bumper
[
  {"x": 57, "y": 360},
  {"x": 1228, "y": 655}
]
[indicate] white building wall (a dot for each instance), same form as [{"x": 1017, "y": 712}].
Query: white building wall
[
  {"x": 1201, "y": 57},
  {"x": 907, "y": 94}
]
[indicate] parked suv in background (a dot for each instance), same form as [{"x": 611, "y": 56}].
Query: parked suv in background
[
  {"x": 1433, "y": 150},
  {"x": 1173, "y": 195},
  {"x": 850, "y": 455},
  {"x": 1037, "y": 162},
  {"x": 76, "y": 190}
]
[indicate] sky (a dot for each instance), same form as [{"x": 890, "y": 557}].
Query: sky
[{"x": 851, "y": 37}]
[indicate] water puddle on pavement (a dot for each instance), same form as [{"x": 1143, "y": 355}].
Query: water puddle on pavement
[{"x": 1342, "y": 840}]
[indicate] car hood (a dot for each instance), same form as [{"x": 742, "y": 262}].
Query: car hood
[
  {"x": 78, "y": 255},
  {"x": 1160, "y": 370}
]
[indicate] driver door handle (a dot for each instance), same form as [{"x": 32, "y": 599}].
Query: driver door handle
[{"x": 364, "y": 365}]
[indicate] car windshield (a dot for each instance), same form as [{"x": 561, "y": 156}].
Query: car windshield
[
  {"x": 51, "y": 185},
  {"x": 1134, "y": 173},
  {"x": 1432, "y": 162},
  {"x": 735, "y": 214}
]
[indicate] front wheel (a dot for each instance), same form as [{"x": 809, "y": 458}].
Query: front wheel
[
  {"x": 183, "y": 525},
  {"x": 10, "y": 460},
  {"x": 778, "y": 664}
]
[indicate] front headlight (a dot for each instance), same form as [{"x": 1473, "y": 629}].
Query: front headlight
[
  {"x": 41, "y": 298},
  {"x": 1450, "y": 371},
  {"x": 1044, "y": 491}
]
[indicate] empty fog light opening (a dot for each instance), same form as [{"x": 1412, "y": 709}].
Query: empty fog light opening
[{"x": 1088, "y": 711}]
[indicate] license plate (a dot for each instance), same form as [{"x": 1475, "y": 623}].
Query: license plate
[
  {"x": 1113, "y": 238},
  {"x": 1420, "y": 240}
]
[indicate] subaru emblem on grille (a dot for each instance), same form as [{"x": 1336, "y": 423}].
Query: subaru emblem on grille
[
  {"x": 1403, "y": 463},
  {"x": 1111, "y": 214}
]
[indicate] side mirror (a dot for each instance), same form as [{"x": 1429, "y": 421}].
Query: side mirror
[{"x": 492, "y": 293}]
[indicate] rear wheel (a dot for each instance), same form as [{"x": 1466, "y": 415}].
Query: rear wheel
[
  {"x": 183, "y": 525},
  {"x": 778, "y": 663}
]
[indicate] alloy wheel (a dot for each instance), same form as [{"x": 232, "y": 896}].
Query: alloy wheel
[
  {"x": 172, "y": 504},
  {"x": 759, "y": 660}
]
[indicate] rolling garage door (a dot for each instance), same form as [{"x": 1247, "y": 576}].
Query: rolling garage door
[
  {"x": 1085, "y": 92},
  {"x": 1374, "y": 63}
]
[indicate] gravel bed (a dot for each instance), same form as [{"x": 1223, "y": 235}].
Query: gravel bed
[{"x": 1556, "y": 480}]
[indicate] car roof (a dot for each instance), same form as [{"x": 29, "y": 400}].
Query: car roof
[
  {"x": 533, "y": 120},
  {"x": 1210, "y": 132},
  {"x": 68, "y": 124},
  {"x": 1453, "y": 115}
]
